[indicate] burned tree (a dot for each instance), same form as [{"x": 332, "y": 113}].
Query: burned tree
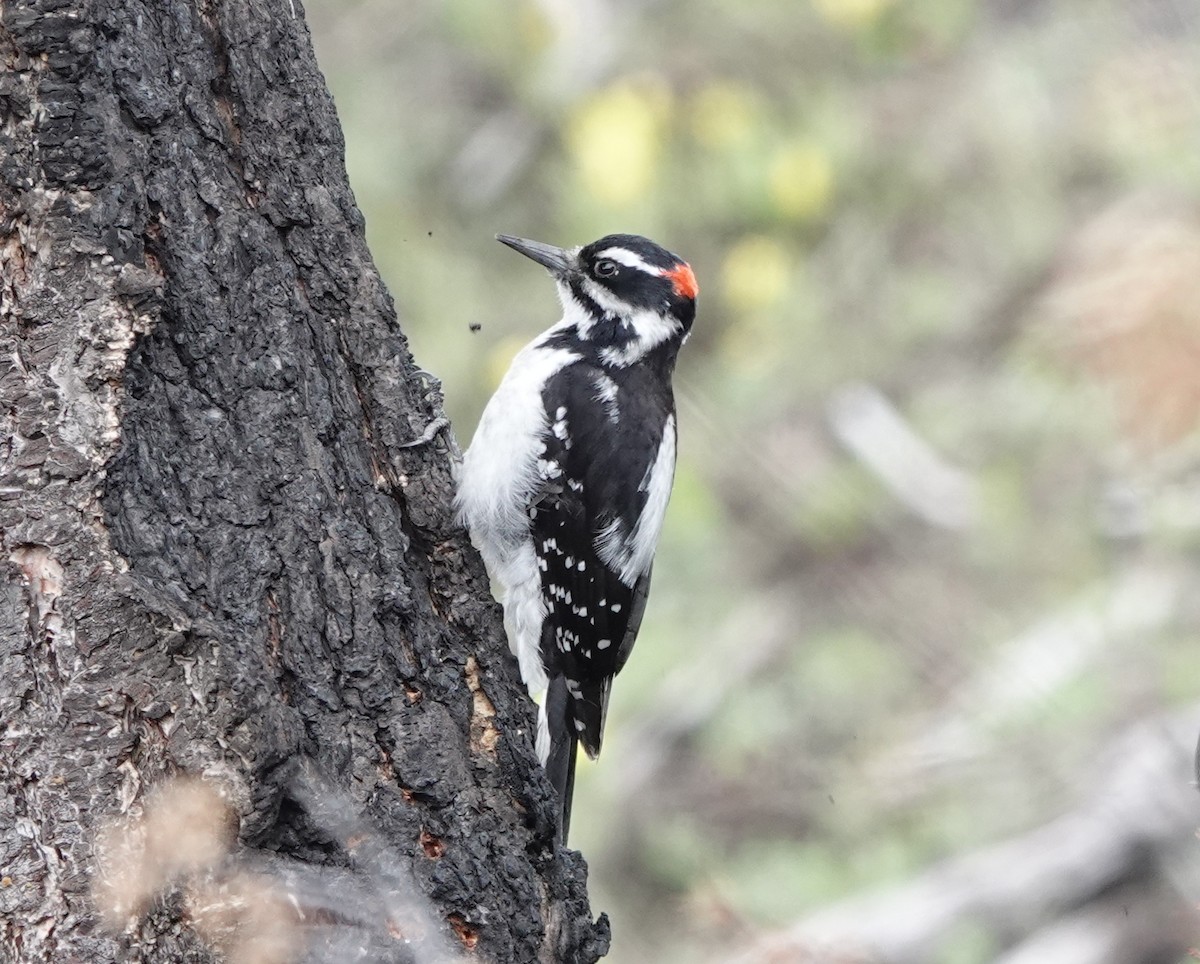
[{"x": 224, "y": 525}]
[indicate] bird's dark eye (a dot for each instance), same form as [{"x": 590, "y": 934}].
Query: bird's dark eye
[{"x": 606, "y": 268}]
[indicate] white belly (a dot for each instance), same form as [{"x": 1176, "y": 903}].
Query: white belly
[{"x": 497, "y": 483}]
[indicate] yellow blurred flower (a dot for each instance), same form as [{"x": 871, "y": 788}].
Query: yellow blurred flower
[
  {"x": 534, "y": 29},
  {"x": 755, "y": 274},
  {"x": 615, "y": 139},
  {"x": 851, "y": 14},
  {"x": 755, "y": 277},
  {"x": 723, "y": 114},
  {"x": 800, "y": 181}
]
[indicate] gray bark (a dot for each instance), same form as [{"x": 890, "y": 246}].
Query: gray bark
[{"x": 216, "y": 555}]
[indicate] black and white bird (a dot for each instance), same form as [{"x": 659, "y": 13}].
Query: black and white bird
[{"x": 565, "y": 485}]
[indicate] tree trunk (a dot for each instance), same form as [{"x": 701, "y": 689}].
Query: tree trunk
[{"x": 219, "y": 559}]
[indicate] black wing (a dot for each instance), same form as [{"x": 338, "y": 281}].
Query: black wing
[{"x": 600, "y": 445}]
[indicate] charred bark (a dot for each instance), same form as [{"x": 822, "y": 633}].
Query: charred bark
[{"x": 219, "y": 558}]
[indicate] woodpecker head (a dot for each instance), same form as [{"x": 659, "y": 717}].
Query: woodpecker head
[{"x": 624, "y": 293}]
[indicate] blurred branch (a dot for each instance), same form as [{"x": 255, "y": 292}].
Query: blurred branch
[
  {"x": 1137, "y": 923},
  {"x": 494, "y": 156},
  {"x": 872, "y": 428},
  {"x": 1128, "y": 830},
  {"x": 1031, "y": 666}
]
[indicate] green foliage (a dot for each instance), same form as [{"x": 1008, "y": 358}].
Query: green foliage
[
  {"x": 777, "y": 880},
  {"x": 882, "y": 191}
]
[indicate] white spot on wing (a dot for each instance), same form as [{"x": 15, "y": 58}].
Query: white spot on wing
[{"x": 606, "y": 395}]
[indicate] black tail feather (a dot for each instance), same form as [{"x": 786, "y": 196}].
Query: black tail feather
[{"x": 560, "y": 764}]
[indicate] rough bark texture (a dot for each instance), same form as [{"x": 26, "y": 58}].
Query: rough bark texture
[{"x": 217, "y": 556}]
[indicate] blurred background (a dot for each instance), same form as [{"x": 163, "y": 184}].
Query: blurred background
[{"x": 919, "y": 677}]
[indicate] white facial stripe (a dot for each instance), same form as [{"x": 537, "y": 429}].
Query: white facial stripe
[
  {"x": 651, "y": 330},
  {"x": 629, "y": 259},
  {"x": 604, "y": 298}
]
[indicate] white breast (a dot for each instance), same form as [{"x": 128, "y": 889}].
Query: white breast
[
  {"x": 499, "y": 470},
  {"x": 499, "y": 477}
]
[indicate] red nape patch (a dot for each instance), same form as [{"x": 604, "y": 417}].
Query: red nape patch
[{"x": 684, "y": 281}]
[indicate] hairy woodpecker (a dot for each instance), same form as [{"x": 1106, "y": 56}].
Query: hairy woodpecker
[{"x": 565, "y": 485}]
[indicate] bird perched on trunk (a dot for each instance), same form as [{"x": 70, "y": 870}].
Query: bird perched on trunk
[{"x": 565, "y": 485}]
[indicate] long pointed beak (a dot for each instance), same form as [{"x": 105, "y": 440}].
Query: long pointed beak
[{"x": 557, "y": 260}]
